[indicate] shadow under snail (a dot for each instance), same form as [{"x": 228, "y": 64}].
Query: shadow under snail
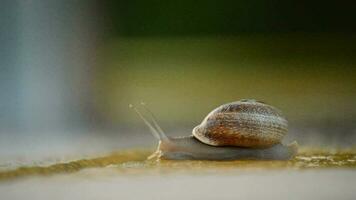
[{"x": 245, "y": 129}]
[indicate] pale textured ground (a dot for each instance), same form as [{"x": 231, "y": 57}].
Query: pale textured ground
[
  {"x": 84, "y": 169},
  {"x": 128, "y": 175},
  {"x": 264, "y": 184}
]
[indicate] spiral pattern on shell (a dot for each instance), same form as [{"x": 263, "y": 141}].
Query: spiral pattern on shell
[{"x": 244, "y": 123}]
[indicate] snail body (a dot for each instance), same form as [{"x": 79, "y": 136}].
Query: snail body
[
  {"x": 245, "y": 129},
  {"x": 190, "y": 148}
]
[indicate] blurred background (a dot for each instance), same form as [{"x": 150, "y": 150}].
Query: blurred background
[{"x": 69, "y": 69}]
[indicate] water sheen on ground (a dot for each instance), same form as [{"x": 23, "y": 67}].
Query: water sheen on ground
[{"x": 134, "y": 161}]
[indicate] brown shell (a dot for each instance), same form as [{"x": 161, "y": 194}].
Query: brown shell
[{"x": 245, "y": 123}]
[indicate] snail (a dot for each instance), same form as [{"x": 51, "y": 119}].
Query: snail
[{"x": 245, "y": 129}]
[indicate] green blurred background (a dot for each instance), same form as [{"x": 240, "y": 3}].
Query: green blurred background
[
  {"x": 69, "y": 69},
  {"x": 185, "y": 58}
]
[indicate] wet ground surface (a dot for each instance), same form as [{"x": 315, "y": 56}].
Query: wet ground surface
[
  {"x": 127, "y": 174},
  {"x": 134, "y": 161}
]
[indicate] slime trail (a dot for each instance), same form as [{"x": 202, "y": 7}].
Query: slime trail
[
  {"x": 74, "y": 166},
  {"x": 306, "y": 159}
]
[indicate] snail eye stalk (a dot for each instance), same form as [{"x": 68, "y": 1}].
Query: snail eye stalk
[
  {"x": 154, "y": 120},
  {"x": 155, "y": 129}
]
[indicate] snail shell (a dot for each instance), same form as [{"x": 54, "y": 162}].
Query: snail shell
[{"x": 244, "y": 123}]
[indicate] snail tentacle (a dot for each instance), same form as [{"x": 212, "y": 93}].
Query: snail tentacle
[
  {"x": 153, "y": 119},
  {"x": 156, "y": 132}
]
